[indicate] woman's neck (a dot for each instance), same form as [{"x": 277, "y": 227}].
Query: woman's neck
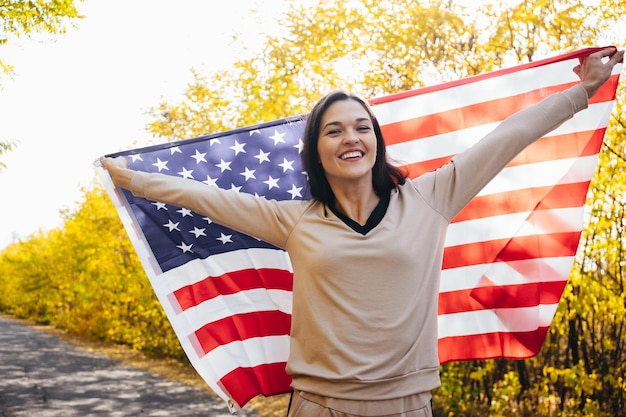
[{"x": 356, "y": 203}]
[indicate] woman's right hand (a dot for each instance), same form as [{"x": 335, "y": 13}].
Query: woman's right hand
[
  {"x": 114, "y": 163},
  {"x": 119, "y": 171}
]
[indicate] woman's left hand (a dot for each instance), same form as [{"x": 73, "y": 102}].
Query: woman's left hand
[{"x": 593, "y": 72}]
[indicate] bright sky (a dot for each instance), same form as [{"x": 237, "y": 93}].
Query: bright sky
[{"x": 86, "y": 93}]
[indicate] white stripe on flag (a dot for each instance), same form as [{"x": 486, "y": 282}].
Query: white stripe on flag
[
  {"x": 488, "y": 89},
  {"x": 222, "y": 306},
  {"x": 542, "y": 174},
  {"x": 507, "y": 273},
  {"x": 515, "y": 224},
  {"x": 248, "y": 353},
  {"x": 519, "y": 319},
  {"x": 218, "y": 264}
]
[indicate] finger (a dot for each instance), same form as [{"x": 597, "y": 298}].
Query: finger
[
  {"x": 606, "y": 52},
  {"x": 121, "y": 161},
  {"x": 596, "y": 55},
  {"x": 618, "y": 56}
]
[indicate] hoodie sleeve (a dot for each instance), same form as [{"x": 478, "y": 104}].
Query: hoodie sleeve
[
  {"x": 451, "y": 187},
  {"x": 268, "y": 220}
]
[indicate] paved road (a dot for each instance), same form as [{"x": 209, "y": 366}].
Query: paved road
[{"x": 42, "y": 376}]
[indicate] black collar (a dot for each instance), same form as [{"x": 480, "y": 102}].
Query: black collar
[{"x": 375, "y": 218}]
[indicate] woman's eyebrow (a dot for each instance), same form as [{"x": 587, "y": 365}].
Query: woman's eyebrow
[
  {"x": 358, "y": 120},
  {"x": 331, "y": 124}
]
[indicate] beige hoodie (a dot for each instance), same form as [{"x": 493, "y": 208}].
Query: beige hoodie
[{"x": 364, "y": 323}]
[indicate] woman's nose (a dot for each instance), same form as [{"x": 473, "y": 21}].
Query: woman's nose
[{"x": 351, "y": 137}]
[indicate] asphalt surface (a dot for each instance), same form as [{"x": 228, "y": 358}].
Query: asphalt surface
[{"x": 43, "y": 376}]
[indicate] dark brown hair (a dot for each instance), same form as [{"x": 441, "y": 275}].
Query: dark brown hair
[{"x": 385, "y": 176}]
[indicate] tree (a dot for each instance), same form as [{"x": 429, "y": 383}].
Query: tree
[
  {"x": 25, "y": 18},
  {"x": 4, "y": 148},
  {"x": 318, "y": 51},
  {"x": 589, "y": 339},
  {"x": 86, "y": 278},
  {"x": 373, "y": 48}
]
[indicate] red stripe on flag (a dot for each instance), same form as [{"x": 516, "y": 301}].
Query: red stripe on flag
[
  {"x": 243, "y": 384},
  {"x": 241, "y": 327},
  {"x": 585, "y": 143},
  {"x": 232, "y": 283},
  {"x": 607, "y": 91},
  {"x": 559, "y": 196},
  {"x": 416, "y": 169},
  {"x": 553, "y": 148},
  {"x": 465, "y": 117},
  {"x": 508, "y": 345},
  {"x": 513, "y": 249},
  {"x": 488, "y": 295}
]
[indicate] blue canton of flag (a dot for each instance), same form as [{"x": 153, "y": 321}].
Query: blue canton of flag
[{"x": 263, "y": 160}]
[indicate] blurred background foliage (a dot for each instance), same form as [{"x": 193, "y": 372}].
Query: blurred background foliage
[{"x": 85, "y": 277}]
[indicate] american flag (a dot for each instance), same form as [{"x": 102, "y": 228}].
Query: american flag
[{"x": 507, "y": 258}]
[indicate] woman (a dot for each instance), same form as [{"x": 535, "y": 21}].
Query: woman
[{"x": 366, "y": 250}]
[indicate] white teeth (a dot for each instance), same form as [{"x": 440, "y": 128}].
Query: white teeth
[{"x": 354, "y": 154}]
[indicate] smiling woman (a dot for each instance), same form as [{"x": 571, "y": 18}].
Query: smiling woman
[
  {"x": 347, "y": 152},
  {"x": 339, "y": 125}
]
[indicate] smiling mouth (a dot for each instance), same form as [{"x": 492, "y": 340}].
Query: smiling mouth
[{"x": 349, "y": 155}]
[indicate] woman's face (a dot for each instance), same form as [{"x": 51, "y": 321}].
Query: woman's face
[{"x": 347, "y": 143}]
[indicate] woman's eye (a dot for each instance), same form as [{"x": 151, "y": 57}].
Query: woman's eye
[
  {"x": 363, "y": 128},
  {"x": 333, "y": 132}
]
